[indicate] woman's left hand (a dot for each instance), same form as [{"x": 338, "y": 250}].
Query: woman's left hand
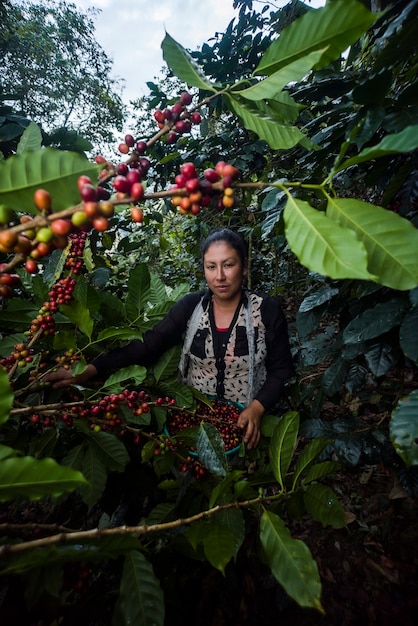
[{"x": 250, "y": 420}]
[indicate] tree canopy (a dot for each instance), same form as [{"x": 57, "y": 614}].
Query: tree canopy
[{"x": 55, "y": 73}]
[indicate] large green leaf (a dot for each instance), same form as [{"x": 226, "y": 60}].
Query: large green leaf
[
  {"x": 270, "y": 87},
  {"x": 332, "y": 28},
  {"x": 321, "y": 502},
  {"x": 404, "y": 141},
  {"x": 408, "y": 334},
  {"x": 6, "y": 452},
  {"x": 183, "y": 66},
  {"x": 111, "y": 450},
  {"x": 380, "y": 358},
  {"x": 322, "y": 245},
  {"x": 279, "y": 136},
  {"x": 56, "y": 171},
  {"x": 125, "y": 334},
  {"x": 136, "y": 373},
  {"x": 138, "y": 291},
  {"x": 26, "y": 477},
  {"x": 404, "y": 429},
  {"x": 375, "y": 321},
  {"x": 80, "y": 316},
  {"x": 167, "y": 364},
  {"x": 320, "y": 470},
  {"x": 6, "y": 397},
  {"x": 110, "y": 548},
  {"x": 95, "y": 471},
  {"x": 334, "y": 376},
  {"x": 218, "y": 545},
  {"x": 31, "y": 139},
  {"x": 282, "y": 445},
  {"x": 141, "y": 600},
  {"x": 391, "y": 241},
  {"x": 308, "y": 455},
  {"x": 211, "y": 449},
  {"x": 290, "y": 561},
  {"x": 233, "y": 519}
]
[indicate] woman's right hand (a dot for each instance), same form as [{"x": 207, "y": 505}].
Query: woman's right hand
[{"x": 62, "y": 377}]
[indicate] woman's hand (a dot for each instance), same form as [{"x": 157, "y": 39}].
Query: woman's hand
[
  {"x": 250, "y": 420},
  {"x": 63, "y": 378}
]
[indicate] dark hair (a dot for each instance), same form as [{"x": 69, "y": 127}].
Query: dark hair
[{"x": 228, "y": 236}]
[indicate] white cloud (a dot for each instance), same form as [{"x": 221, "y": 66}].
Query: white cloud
[{"x": 131, "y": 32}]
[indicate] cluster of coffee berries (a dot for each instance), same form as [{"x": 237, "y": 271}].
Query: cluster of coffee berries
[
  {"x": 43, "y": 321},
  {"x": 129, "y": 176},
  {"x": 104, "y": 415},
  {"x": 96, "y": 208},
  {"x": 195, "y": 467},
  {"x": 67, "y": 359},
  {"x": 42, "y": 420},
  {"x": 222, "y": 415},
  {"x": 62, "y": 291},
  {"x": 129, "y": 144},
  {"x": 8, "y": 281},
  {"x": 163, "y": 446},
  {"x": 196, "y": 192},
  {"x": 178, "y": 118},
  {"x": 21, "y": 356}
]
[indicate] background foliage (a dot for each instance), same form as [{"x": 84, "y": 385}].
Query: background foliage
[{"x": 320, "y": 116}]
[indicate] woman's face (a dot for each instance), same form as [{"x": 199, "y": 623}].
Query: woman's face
[{"x": 224, "y": 270}]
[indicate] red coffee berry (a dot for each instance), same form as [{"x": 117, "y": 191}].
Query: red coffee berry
[{"x": 185, "y": 98}]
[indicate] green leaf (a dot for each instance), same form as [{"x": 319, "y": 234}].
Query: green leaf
[
  {"x": 26, "y": 477},
  {"x": 79, "y": 315},
  {"x": 110, "y": 449},
  {"x": 6, "y": 397},
  {"x": 334, "y": 376},
  {"x": 332, "y": 28},
  {"x": 404, "y": 141},
  {"x": 290, "y": 561},
  {"x": 233, "y": 519},
  {"x": 403, "y": 429},
  {"x": 278, "y": 136},
  {"x": 282, "y": 445},
  {"x": 6, "y": 452},
  {"x": 320, "y": 470},
  {"x": 270, "y": 87},
  {"x": 167, "y": 364},
  {"x": 183, "y": 66},
  {"x": 408, "y": 335},
  {"x": 218, "y": 545},
  {"x": 321, "y": 502},
  {"x": 375, "y": 321},
  {"x": 308, "y": 455},
  {"x": 136, "y": 373},
  {"x": 322, "y": 245},
  {"x": 110, "y": 548},
  {"x": 138, "y": 291},
  {"x": 31, "y": 139},
  {"x": 56, "y": 171},
  {"x": 95, "y": 471},
  {"x": 380, "y": 358},
  {"x": 141, "y": 600},
  {"x": 211, "y": 449},
  {"x": 391, "y": 241},
  {"x": 125, "y": 334}
]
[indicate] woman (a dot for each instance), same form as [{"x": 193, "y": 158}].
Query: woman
[{"x": 235, "y": 341}]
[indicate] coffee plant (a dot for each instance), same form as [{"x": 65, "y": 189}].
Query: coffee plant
[{"x": 199, "y": 494}]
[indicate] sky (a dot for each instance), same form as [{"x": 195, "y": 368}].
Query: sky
[{"x": 131, "y": 32}]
